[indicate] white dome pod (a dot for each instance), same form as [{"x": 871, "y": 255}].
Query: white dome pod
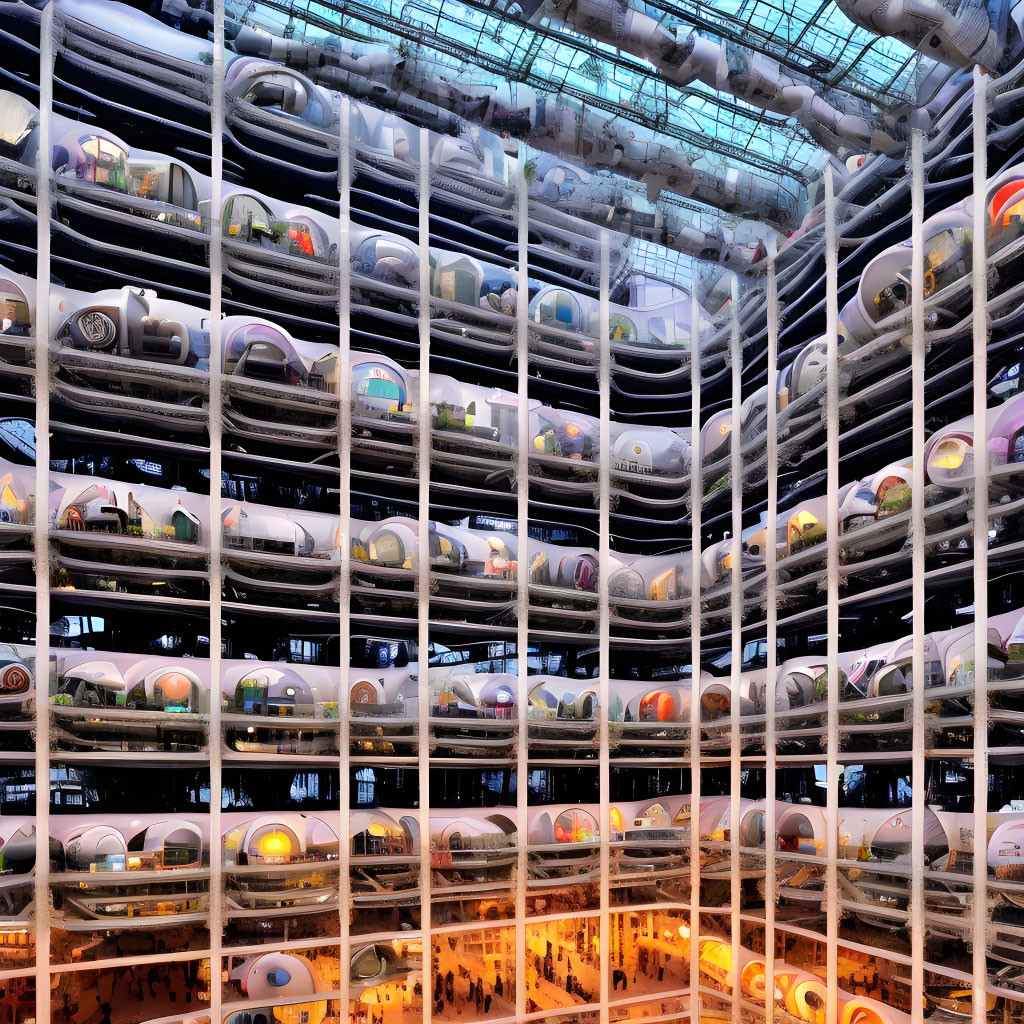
[
  {"x": 801, "y": 829},
  {"x": 558, "y": 698},
  {"x": 272, "y": 976},
  {"x": 569, "y": 434},
  {"x": 884, "y": 493},
  {"x": 167, "y": 687},
  {"x": 563, "y": 823},
  {"x": 795, "y": 683},
  {"x": 92, "y": 684},
  {"x": 283, "y": 838},
  {"x": 956, "y": 649},
  {"x": 456, "y": 277},
  {"x": 661, "y": 704},
  {"x": 557, "y": 307},
  {"x": 715, "y": 434},
  {"x": 376, "y": 833},
  {"x": 86, "y": 848},
  {"x": 269, "y": 85},
  {"x": 171, "y": 844},
  {"x": 753, "y": 821},
  {"x": 806, "y": 370},
  {"x": 275, "y": 689},
  {"x": 256, "y": 348},
  {"x": 384, "y": 257},
  {"x": 883, "y": 292},
  {"x": 17, "y": 308},
  {"x": 16, "y": 674},
  {"x": 395, "y": 138},
  {"x": 383, "y": 690},
  {"x": 649, "y": 450},
  {"x": 392, "y": 542},
  {"x": 716, "y": 817},
  {"x": 374, "y": 965},
  {"x": 949, "y": 453},
  {"x": 18, "y": 119},
  {"x": 1006, "y": 851},
  {"x": 891, "y": 839}
]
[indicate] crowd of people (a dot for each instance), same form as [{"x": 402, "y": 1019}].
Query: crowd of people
[{"x": 461, "y": 991}]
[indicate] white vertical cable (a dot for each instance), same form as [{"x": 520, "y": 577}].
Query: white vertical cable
[
  {"x": 696, "y": 492},
  {"x": 917, "y": 572},
  {"x": 979, "y": 277},
  {"x": 772, "y": 431},
  {"x": 344, "y": 545},
  {"x": 605, "y": 559},
  {"x": 522, "y": 577},
  {"x": 736, "y": 619},
  {"x": 423, "y": 568},
  {"x": 216, "y": 536},
  {"x": 41, "y": 540},
  {"x": 832, "y": 628}
]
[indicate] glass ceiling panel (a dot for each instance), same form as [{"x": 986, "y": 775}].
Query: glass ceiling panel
[
  {"x": 809, "y": 36},
  {"x": 716, "y": 130}
]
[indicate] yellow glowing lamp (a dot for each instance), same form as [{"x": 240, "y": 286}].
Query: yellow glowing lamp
[
  {"x": 274, "y": 844},
  {"x": 376, "y": 829},
  {"x": 949, "y": 455},
  {"x": 725, "y": 428},
  {"x": 616, "y": 819},
  {"x": 572, "y": 430},
  {"x": 538, "y": 443}
]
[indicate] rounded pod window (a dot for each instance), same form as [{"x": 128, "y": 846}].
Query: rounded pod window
[
  {"x": 364, "y": 692},
  {"x": 578, "y": 572},
  {"x": 628, "y": 584},
  {"x": 575, "y": 826},
  {"x": 657, "y": 706}
]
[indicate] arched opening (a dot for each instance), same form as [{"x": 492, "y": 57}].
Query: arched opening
[
  {"x": 796, "y": 834},
  {"x": 575, "y": 826},
  {"x": 657, "y": 706}
]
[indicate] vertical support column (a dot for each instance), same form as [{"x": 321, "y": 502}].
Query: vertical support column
[
  {"x": 522, "y": 577},
  {"x": 423, "y": 566},
  {"x": 917, "y": 360},
  {"x": 771, "y": 631},
  {"x": 604, "y": 643},
  {"x": 41, "y": 540},
  {"x": 736, "y": 620},
  {"x": 979, "y": 280},
  {"x": 345, "y": 545},
  {"x": 216, "y": 535},
  {"x": 696, "y": 492},
  {"x": 832, "y": 626}
]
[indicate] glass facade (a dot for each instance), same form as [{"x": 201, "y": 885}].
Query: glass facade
[{"x": 493, "y": 521}]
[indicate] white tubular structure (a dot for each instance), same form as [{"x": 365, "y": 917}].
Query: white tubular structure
[
  {"x": 696, "y": 490},
  {"x": 918, "y": 568},
  {"x": 771, "y": 630},
  {"x": 345, "y": 549},
  {"x": 216, "y": 403},
  {"x": 757, "y": 80},
  {"x": 423, "y": 570},
  {"x": 522, "y": 583},
  {"x": 736, "y": 619},
  {"x": 604, "y": 660},
  {"x": 832, "y": 627},
  {"x": 979, "y": 275},
  {"x": 959, "y": 34},
  {"x": 41, "y": 540}
]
